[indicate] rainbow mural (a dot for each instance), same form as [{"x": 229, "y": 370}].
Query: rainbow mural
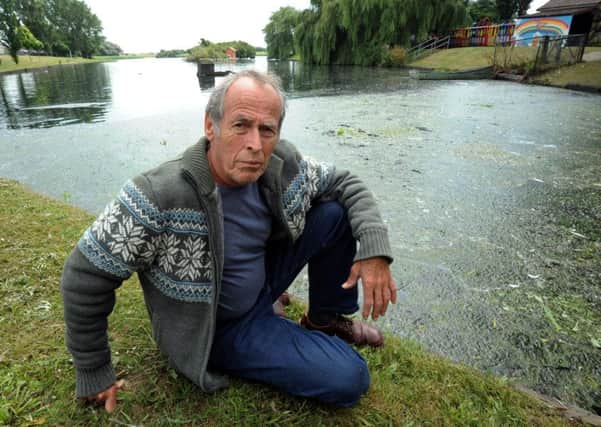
[{"x": 528, "y": 31}]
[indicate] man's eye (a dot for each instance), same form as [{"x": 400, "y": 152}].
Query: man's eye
[{"x": 266, "y": 131}]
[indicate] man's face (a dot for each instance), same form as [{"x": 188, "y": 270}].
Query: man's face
[{"x": 238, "y": 155}]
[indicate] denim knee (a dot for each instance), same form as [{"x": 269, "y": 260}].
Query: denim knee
[{"x": 351, "y": 383}]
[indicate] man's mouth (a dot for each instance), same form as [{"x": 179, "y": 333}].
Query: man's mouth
[{"x": 251, "y": 164}]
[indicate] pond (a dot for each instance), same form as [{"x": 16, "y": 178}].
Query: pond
[{"x": 491, "y": 190}]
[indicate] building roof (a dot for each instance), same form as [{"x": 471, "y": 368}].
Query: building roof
[{"x": 567, "y": 7}]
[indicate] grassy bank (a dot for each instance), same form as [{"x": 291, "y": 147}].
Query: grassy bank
[
  {"x": 585, "y": 73},
  {"x": 409, "y": 385},
  {"x": 27, "y": 62},
  {"x": 465, "y": 58},
  {"x": 457, "y": 59},
  {"x": 473, "y": 57}
]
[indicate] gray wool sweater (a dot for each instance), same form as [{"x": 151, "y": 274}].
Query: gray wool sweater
[{"x": 167, "y": 225}]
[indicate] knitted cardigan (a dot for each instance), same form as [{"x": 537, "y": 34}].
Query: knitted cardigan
[{"x": 167, "y": 225}]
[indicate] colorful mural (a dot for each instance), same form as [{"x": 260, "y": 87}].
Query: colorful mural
[
  {"x": 488, "y": 35},
  {"x": 528, "y": 31}
]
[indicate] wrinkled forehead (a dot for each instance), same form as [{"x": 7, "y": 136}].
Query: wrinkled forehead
[{"x": 247, "y": 95}]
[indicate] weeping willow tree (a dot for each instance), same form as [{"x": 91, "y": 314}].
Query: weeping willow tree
[{"x": 360, "y": 31}]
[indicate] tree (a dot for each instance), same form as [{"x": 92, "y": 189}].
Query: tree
[
  {"x": 28, "y": 40},
  {"x": 107, "y": 48},
  {"x": 362, "y": 31},
  {"x": 279, "y": 33},
  {"x": 33, "y": 14},
  {"x": 243, "y": 49},
  {"x": 75, "y": 29},
  {"x": 506, "y": 9},
  {"x": 522, "y": 7},
  {"x": 480, "y": 9},
  {"x": 9, "y": 28},
  {"x": 206, "y": 52}
]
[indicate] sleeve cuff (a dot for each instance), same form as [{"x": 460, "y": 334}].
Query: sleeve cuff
[
  {"x": 92, "y": 381},
  {"x": 374, "y": 243}
]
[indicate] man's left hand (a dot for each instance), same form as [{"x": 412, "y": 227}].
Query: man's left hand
[{"x": 378, "y": 285}]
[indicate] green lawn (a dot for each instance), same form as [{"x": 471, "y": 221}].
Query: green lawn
[
  {"x": 457, "y": 59},
  {"x": 465, "y": 58},
  {"x": 585, "y": 73},
  {"x": 27, "y": 62},
  {"x": 513, "y": 58},
  {"x": 409, "y": 385}
]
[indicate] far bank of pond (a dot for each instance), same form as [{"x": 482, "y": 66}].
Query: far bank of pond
[{"x": 491, "y": 190}]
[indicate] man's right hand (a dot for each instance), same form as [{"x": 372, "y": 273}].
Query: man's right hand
[{"x": 108, "y": 396}]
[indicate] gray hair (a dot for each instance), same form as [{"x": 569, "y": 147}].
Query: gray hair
[{"x": 214, "y": 107}]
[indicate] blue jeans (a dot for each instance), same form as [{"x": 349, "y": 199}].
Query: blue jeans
[{"x": 264, "y": 347}]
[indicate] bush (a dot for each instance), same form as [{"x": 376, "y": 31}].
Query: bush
[
  {"x": 395, "y": 57},
  {"x": 173, "y": 53},
  {"x": 206, "y": 52}
]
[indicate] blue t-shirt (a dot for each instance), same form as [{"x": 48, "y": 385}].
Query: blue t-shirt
[{"x": 246, "y": 226}]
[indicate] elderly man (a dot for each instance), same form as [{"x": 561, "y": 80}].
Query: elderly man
[{"x": 216, "y": 236}]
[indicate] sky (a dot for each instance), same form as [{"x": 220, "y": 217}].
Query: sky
[{"x": 141, "y": 26}]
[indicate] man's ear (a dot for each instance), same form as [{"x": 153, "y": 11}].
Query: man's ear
[{"x": 209, "y": 128}]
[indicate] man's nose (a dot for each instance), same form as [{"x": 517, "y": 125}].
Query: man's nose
[{"x": 253, "y": 140}]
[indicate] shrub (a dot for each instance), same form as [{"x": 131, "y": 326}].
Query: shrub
[{"x": 395, "y": 57}]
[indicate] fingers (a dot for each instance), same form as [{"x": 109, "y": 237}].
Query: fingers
[
  {"x": 392, "y": 291},
  {"x": 379, "y": 288},
  {"x": 111, "y": 400},
  {"x": 108, "y": 396},
  {"x": 368, "y": 300},
  {"x": 385, "y": 300}
]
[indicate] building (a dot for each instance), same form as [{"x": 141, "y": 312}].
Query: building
[
  {"x": 562, "y": 18},
  {"x": 231, "y": 52}
]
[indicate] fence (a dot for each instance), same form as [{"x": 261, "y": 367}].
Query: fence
[
  {"x": 535, "y": 54},
  {"x": 428, "y": 47},
  {"x": 489, "y": 35}
]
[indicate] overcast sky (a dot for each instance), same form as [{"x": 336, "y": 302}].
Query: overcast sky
[{"x": 151, "y": 25}]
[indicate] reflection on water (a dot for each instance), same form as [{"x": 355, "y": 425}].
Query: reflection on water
[
  {"x": 54, "y": 97},
  {"x": 301, "y": 80},
  {"x": 100, "y": 92}
]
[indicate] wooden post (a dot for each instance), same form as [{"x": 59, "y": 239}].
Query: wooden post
[
  {"x": 205, "y": 68},
  {"x": 544, "y": 49}
]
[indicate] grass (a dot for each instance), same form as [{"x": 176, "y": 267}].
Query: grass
[
  {"x": 409, "y": 385},
  {"x": 457, "y": 59},
  {"x": 520, "y": 58},
  {"x": 585, "y": 73},
  {"x": 465, "y": 58},
  {"x": 27, "y": 62}
]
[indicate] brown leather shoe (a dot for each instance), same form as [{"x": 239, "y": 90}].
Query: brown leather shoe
[{"x": 352, "y": 331}]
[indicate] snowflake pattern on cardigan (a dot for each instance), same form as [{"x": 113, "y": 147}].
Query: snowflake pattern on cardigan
[
  {"x": 310, "y": 181},
  {"x": 169, "y": 247}
]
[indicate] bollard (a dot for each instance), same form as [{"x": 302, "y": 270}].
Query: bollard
[
  {"x": 544, "y": 49},
  {"x": 205, "y": 68}
]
